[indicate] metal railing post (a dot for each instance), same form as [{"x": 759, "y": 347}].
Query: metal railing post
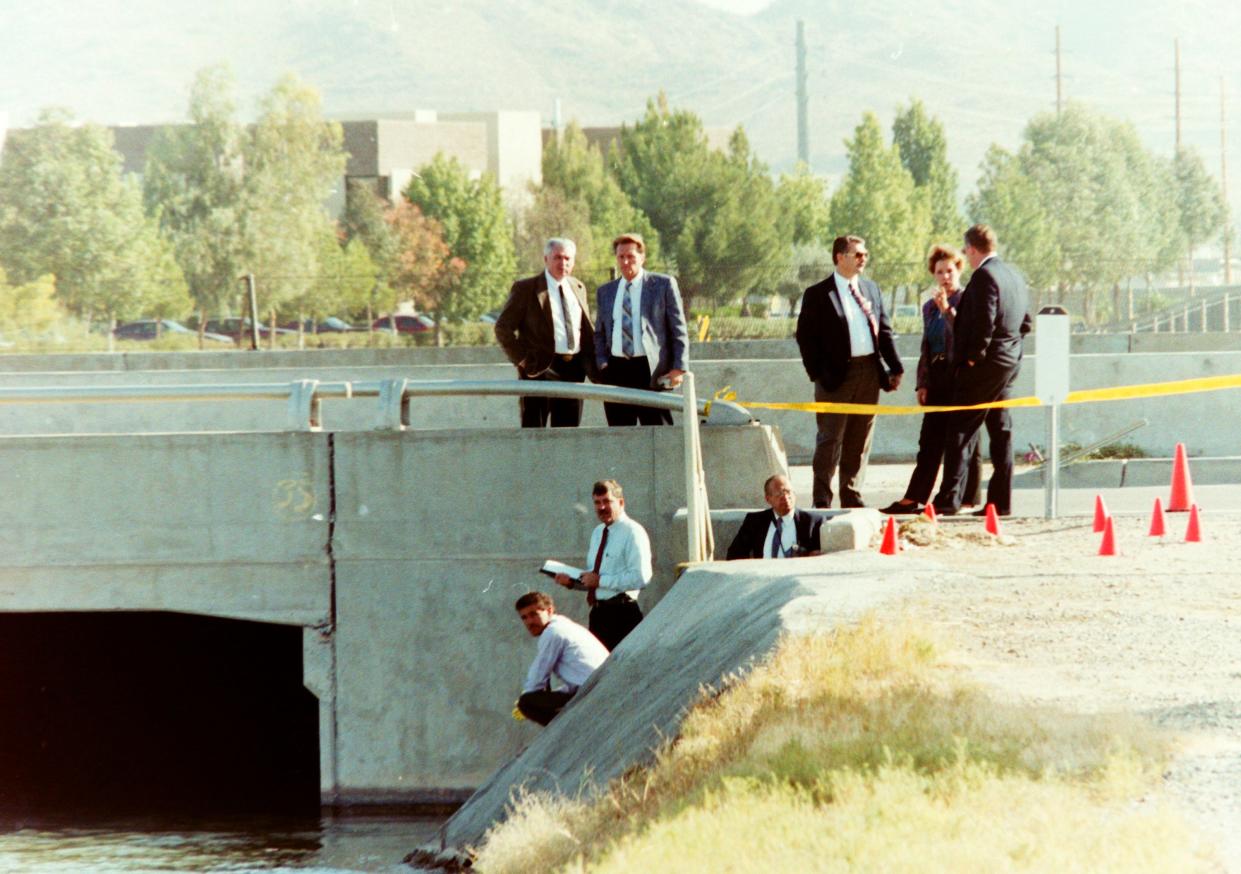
[
  {"x": 695, "y": 494},
  {"x": 304, "y": 406},
  {"x": 393, "y": 405}
]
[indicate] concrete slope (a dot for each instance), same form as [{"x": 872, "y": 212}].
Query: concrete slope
[{"x": 717, "y": 619}]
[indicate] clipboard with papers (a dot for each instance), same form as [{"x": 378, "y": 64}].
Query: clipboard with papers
[{"x": 551, "y": 568}]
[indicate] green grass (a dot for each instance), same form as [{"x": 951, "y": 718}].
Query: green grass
[{"x": 864, "y": 750}]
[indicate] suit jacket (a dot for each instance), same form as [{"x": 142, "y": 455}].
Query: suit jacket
[
  {"x": 525, "y": 332},
  {"x": 823, "y": 334},
  {"x": 665, "y": 337},
  {"x": 753, "y": 533},
  {"x": 930, "y": 313},
  {"x": 993, "y": 317}
]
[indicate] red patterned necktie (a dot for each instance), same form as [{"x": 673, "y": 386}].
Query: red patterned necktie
[{"x": 866, "y": 308}]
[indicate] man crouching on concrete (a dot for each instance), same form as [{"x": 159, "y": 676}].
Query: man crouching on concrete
[{"x": 566, "y": 649}]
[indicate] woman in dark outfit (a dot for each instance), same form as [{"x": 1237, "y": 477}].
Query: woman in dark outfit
[{"x": 934, "y": 386}]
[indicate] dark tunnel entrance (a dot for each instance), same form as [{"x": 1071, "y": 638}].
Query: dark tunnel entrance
[{"x": 122, "y": 713}]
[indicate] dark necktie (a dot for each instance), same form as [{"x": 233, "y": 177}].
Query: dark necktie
[
  {"x": 603, "y": 542},
  {"x": 777, "y": 539},
  {"x": 626, "y": 322},
  {"x": 866, "y": 308},
  {"x": 570, "y": 335}
]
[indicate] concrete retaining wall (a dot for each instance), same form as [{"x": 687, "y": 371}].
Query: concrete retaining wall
[
  {"x": 399, "y": 553},
  {"x": 1172, "y": 419}
]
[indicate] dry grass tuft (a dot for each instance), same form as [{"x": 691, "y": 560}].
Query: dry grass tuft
[{"x": 863, "y": 750}]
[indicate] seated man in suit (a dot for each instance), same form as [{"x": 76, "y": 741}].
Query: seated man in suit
[
  {"x": 782, "y": 531},
  {"x": 566, "y": 649}
]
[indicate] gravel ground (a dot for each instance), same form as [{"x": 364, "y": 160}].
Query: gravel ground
[{"x": 1154, "y": 631}]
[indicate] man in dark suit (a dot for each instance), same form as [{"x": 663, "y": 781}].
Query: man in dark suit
[
  {"x": 781, "y": 532},
  {"x": 641, "y": 340},
  {"x": 545, "y": 330},
  {"x": 993, "y": 317},
  {"x": 847, "y": 348}
]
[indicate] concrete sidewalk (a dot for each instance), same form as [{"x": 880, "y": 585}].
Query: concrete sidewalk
[{"x": 886, "y": 483}]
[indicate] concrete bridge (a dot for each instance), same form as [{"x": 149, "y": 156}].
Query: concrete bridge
[{"x": 168, "y": 600}]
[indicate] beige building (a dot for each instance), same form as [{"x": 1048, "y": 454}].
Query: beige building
[{"x": 387, "y": 151}]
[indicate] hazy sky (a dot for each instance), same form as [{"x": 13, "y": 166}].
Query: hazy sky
[{"x": 742, "y": 7}]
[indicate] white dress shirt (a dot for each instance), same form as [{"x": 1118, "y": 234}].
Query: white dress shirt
[
  {"x": 626, "y": 565},
  {"x": 635, "y": 308},
  {"x": 788, "y": 536},
  {"x": 567, "y": 341},
  {"x": 860, "y": 340},
  {"x": 567, "y": 650}
]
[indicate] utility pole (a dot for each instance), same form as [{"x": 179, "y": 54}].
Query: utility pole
[
  {"x": 1059, "y": 79},
  {"x": 1176, "y": 48},
  {"x": 803, "y": 132},
  {"x": 1223, "y": 177}
]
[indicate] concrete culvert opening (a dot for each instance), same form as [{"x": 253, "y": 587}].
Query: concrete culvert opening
[{"x": 154, "y": 713}]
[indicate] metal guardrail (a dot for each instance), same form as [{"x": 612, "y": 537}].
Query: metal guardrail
[{"x": 304, "y": 398}]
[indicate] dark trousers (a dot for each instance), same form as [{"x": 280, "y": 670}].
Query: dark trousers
[
  {"x": 562, "y": 412},
  {"x": 613, "y": 619},
  {"x": 543, "y": 705},
  {"x": 975, "y": 385},
  {"x": 844, "y": 440},
  {"x": 933, "y": 438},
  {"x": 631, "y": 373}
]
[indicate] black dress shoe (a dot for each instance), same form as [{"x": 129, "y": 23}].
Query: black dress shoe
[{"x": 897, "y": 508}]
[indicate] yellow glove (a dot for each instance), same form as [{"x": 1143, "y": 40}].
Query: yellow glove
[{"x": 517, "y": 714}]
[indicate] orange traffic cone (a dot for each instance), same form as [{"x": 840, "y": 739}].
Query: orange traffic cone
[
  {"x": 993, "y": 520},
  {"x": 1100, "y": 513},
  {"x": 1182, "y": 487},
  {"x": 1108, "y": 546},
  {"x": 929, "y": 512},
  {"x": 1193, "y": 533},
  {"x": 890, "y": 546},
  {"x": 1158, "y": 529}
]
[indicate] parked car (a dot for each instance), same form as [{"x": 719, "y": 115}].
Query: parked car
[
  {"x": 405, "y": 324},
  {"x": 330, "y": 325},
  {"x": 149, "y": 329},
  {"x": 231, "y": 324}
]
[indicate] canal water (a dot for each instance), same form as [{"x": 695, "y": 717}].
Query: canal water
[{"x": 326, "y": 845}]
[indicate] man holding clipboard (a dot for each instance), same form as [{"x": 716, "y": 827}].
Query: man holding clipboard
[{"x": 620, "y": 560}]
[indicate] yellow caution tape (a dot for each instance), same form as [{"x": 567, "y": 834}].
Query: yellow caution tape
[{"x": 1120, "y": 393}]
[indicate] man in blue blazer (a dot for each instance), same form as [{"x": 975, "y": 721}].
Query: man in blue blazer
[
  {"x": 847, "y": 348},
  {"x": 641, "y": 340}
]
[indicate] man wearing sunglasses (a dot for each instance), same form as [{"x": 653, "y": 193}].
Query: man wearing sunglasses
[{"x": 847, "y": 348}]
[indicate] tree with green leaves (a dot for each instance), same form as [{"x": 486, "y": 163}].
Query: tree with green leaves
[
  {"x": 1082, "y": 205},
  {"x": 1009, "y": 202},
  {"x": 717, "y": 213},
  {"x": 878, "y": 200},
  {"x": 66, "y": 210},
  {"x": 805, "y": 210},
  {"x": 365, "y": 220},
  {"x": 293, "y": 163},
  {"x": 1199, "y": 201},
  {"x": 576, "y": 185},
  {"x": 476, "y": 228},
  {"x": 924, "y": 153},
  {"x": 194, "y": 183}
]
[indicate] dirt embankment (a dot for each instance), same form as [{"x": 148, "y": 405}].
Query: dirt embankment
[{"x": 1039, "y": 615}]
